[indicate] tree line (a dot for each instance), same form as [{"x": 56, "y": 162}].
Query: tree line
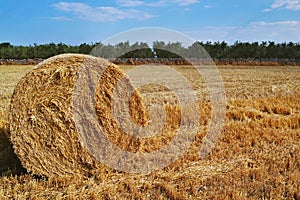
[{"x": 159, "y": 49}]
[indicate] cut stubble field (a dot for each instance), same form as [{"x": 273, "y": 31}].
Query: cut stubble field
[{"x": 257, "y": 155}]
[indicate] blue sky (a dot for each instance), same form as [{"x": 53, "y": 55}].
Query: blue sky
[{"x": 76, "y": 21}]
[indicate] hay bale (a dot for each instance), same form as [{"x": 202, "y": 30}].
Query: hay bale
[{"x": 42, "y": 127}]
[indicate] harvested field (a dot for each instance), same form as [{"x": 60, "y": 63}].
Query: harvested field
[
  {"x": 257, "y": 155},
  {"x": 10, "y": 76}
]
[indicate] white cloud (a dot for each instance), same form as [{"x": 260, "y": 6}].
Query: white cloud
[
  {"x": 279, "y": 31},
  {"x": 157, "y": 4},
  {"x": 278, "y": 4},
  {"x": 135, "y": 3},
  {"x": 286, "y": 4},
  {"x": 100, "y": 14},
  {"x": 287, "y": 23},
  {"x": 211, "y": 33},
  {"x": 186, "y": 2},
  {"x": 60, "y": 18},
  {"x": 207, "y": 6},
  {"x": 293, "y": 7},
  {"x": 264, "y": 31},
  {"x": 130, "y": 3},
  {"x": 267, "y": 10}
]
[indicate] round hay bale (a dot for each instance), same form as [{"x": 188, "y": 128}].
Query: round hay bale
[
  {"x": 54, "y": 110},
  {"x": 42, "y": 126}
]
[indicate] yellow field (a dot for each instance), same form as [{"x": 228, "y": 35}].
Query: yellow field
[{"x": 257, "y": 155}]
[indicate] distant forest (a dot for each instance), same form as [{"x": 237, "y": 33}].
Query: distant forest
[{"x": 217, "y": 50}]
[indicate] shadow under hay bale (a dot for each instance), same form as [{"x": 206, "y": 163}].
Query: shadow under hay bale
[{"x": 9, "y": 162}]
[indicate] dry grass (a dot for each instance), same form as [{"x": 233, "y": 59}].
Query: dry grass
[
  {"x": 256, "y": 157},
  {"x": 10, "y": 76}
]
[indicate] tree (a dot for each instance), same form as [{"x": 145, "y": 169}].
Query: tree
[
  {"x": 138, "y": 50},
  {"x": 170, "y": 50},
  {"x": 6, "y": 50}
]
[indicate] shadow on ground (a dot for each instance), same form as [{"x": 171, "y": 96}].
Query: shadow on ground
[{"x": 9, "y": 162}]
